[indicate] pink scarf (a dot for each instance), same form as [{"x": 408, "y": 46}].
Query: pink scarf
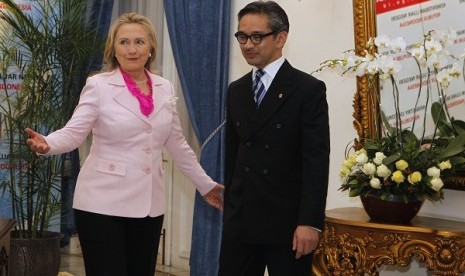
[{"x": 145, "y": 101}]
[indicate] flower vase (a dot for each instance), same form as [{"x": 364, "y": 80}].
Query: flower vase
[{"x": 392, "y": 209}]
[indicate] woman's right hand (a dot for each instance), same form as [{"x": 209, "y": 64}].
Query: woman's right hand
[
  {"x": 215, "y": 197},
  {"x": 36, "y": 142}
]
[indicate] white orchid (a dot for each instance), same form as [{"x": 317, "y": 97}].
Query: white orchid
[
  {"x": 388, "y": 66},
  {"x": 445, "y": 37},
  {"x": 382, "y": 41},
  {"x": 443, "y": 79},
  {"x": 432, "y": 46},
  {"x": 398, "y": 44},
  {"x": 418, "y": 53},
  {"x": 372, "y": 67},
  {"x": 445, "y": 76},
  {"x": 351, "y": 64}
]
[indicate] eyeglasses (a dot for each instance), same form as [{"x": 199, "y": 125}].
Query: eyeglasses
[{"x": 255, "y": 38}]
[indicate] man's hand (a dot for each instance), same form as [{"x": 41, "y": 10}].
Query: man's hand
[{"x": 305, "y": 240}]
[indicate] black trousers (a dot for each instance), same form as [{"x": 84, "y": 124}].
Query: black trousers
[
  {"x": 118, "y": 246},
  {"x": 242, "y": 259}
]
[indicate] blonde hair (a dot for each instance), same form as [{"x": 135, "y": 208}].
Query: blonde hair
[{"x": 109, "y": 59}]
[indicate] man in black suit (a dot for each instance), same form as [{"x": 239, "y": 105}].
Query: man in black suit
[{"x": 277, "y": 155}]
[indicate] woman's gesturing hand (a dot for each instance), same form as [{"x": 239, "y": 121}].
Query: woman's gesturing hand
[{"x": 36, "y": 142}]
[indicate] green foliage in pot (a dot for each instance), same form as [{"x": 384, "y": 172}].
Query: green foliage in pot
[
  {"x": 48, "y": 55},
  {"x": 446, "y": 128}
]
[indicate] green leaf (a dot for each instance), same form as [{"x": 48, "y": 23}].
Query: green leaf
[
  {"x": 409, "y": 137},
  {"x": 391, "y": 130},
  {"x": 391, "y": 159},
  {"x": 439, "y": 116},
  {"x": 457, "y": 160},
  {"x": 456, "y": 146},
  {"x": 371, "y": 147},
  {"x": 355, "y": 192},
  {"x": 459, "y": 126}
]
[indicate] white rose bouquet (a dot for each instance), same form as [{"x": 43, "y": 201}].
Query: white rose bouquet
[{"x": 417, "y": 174}]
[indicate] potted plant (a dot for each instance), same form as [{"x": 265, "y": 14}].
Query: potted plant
[
  {"x": 399, "y": 168},
  {"x": 393, "y": 180},
  {"x": 45, "y": 45}
]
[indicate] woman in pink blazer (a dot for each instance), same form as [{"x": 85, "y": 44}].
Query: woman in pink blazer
[{"x": 119, "y": 199}]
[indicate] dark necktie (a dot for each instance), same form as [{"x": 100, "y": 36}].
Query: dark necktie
[{"x": 258, "y": 86}]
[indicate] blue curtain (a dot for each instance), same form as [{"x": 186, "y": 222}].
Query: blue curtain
[
  {"x": 99, "y": 17},
  {"x": 199, "y": 31}
]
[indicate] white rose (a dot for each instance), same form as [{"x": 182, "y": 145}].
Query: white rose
[
  {"x": 436, "y": 183},
  {"x": 383, "y": 171},
  {"x": 361, "y": 159},
  {"x": 433, "y": 172},
  {"x": 369, "y": 168},
  {"x": 379, "y": 156},
  {"x": 375, "y": 183}
]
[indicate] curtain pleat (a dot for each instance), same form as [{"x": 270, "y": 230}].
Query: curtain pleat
[{"x": 199, "y": 32}]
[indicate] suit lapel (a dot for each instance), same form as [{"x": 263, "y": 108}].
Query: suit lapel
[
  {"x": 280, "y": 89},
  {"x": 128, "y": 101},
  {"x": 161, "y": 97}
]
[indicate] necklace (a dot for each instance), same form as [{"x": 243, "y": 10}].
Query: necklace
[
  {"x": 139, "y": 82},
  {"x": 145, "y": 101}
]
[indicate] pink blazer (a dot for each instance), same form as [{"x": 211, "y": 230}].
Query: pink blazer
[{"x": 123, "y": 174}]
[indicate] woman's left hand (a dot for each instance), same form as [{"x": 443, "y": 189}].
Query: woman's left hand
[{"x": 215, "y": 197}]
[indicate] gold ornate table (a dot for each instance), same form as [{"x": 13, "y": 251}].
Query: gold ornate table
[
  {"x": 5, "y": 227},
  {"x": 352, "y": 245}
]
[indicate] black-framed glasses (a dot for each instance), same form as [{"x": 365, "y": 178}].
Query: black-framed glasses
[{"x": 255, "y": 38}]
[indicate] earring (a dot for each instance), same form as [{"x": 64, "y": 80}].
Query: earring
[{"x": 150, "y": 54}]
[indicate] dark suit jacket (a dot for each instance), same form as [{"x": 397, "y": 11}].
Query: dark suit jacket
[{"x": 277, "y": 158}]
